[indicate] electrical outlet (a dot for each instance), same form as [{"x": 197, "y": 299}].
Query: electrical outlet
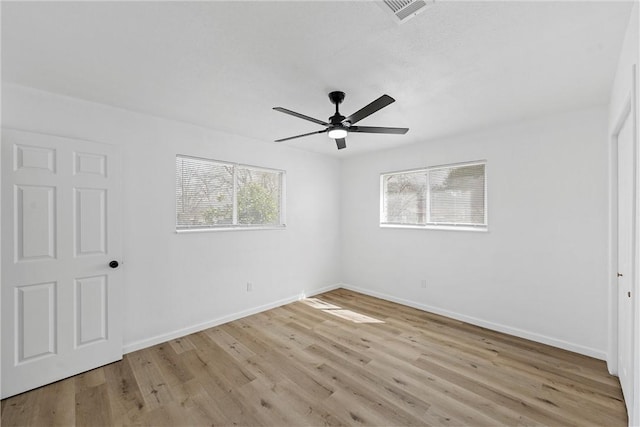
[
  {"x": 423, "y": 283},
  {"x": 249, "y": 286}
]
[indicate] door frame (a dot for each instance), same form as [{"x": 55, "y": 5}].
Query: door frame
[{"x": 629, "y": 111}]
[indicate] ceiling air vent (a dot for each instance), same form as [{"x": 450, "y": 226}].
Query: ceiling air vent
[{"x": 406, "y": 9}]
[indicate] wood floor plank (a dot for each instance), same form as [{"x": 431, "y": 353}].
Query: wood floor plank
[
  {"x": 356, "y": 412},
  {"x": 229, "y": 344},
  {"x": 123, "y": 390},
  {"x": 19, "y": 410},
  {"x": 450, "y": 403},
  {"x": 58, "y": 408},
  {"x": 180, "y": 345},
  {"x": 219, "y": 362},
  {"x": 171, "y": 366},
  {"x": 378, "y": 396},
  {"x": 497, "y": 394},
  {"x": 200, "y": 410},
  {"x": 299, "y": 365},
  {"x": 220, "y": 393},
  {"x": 92, "y": 406},
  {"x": 310, "y": 409},
  {"x": 153, "y": 387}
]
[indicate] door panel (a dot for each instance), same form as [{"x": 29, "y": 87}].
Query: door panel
[
  {"x": 91, "y": 309},
  {"x": 90, "y": 221},
  {"x": 34, "y": 158},
  {"x": 35, "y": 212},
  {"x": 36, "y": 327},
  {"x": 61, "y": 301}
]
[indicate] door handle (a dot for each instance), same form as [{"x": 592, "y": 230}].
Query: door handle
[
  {"x": 619, "y": 274},
  {"x": 114, "y": 264}
]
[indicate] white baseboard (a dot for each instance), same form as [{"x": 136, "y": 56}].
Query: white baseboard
[
  {"x": 158, "y": 339},
  {"x": 576, "y": 348}
]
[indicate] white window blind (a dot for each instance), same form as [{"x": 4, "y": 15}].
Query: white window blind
[
  {"x": 451, "y": 196},
  {"x": 212, "y": 194},
  {"x": 405, "y": 198}
]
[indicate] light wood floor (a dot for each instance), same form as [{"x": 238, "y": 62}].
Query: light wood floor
[{"x": 297, "y": 365}]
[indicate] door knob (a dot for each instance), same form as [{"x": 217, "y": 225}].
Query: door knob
[
  {"x": 114, "y": 264},
  {"x": 619, "y": 274}
]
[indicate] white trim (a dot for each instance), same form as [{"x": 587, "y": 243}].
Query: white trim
[
  {"x": 443, "y": 166},
  {"x": 628, "y": 111},
  {"x": 634, "y": 416},
  {"x": 486, "y": 195},
  {"x": 612, "y": 356},
  {"x": 225, "y": 228},
  {"x": 254, "y": 167},
  {"x": 481, "y": 228},
  {"x": 234, "y": 200},
  {"x": 159, "y": 339},
  {"x": 576, "y": 348},
  {"x": 283, "y": 199}
]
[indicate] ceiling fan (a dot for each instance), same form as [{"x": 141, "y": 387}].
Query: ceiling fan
[{"x": 339, "y": 125}]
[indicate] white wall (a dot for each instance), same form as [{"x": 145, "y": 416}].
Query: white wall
[
  {"x": 621, "y": 94},
  {"x": 541, "y": 269},
  {"x": 177, "y": 282},
  {"x": 629, "y": 54}
]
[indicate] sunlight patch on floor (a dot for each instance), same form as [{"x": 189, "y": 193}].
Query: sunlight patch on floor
[
  {"x": 353, "y": 316},
  {"x": 319, "y": 304},
  {"x": 339, "y": 312}
]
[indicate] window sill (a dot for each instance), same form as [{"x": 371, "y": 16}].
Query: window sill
[
  {"x": 214, "y": 229},
  {"x": 437, "y": 227}
]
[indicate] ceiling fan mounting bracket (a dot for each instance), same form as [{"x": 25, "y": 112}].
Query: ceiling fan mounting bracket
[{"x": 336, "y": 97}]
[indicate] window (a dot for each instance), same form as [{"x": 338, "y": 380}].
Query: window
[
  {"x": 452, "y": 196},
  {"x": 214, "y": 195}
]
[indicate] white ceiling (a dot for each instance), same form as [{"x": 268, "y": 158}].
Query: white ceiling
[{"x": 456, "y": 67}]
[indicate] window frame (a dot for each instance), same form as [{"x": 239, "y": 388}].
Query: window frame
[
  {"x": 435, "y": 225},
  {"x": 235, "y": 226}
]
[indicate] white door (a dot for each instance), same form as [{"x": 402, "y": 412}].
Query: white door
[
  {"x": 625, "y": 258},
  {"x": 60, "y": 230}
]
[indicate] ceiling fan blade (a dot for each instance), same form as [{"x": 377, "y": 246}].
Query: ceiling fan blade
[
  {"x": 376, "y": 105},
  {"x": 301, "y": 116},
  {"x": 373, "y": 129},
  {"x": 300, "y": 136},
  {"x": 341, "y": 143}
]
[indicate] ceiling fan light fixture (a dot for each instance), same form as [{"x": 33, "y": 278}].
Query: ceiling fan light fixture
[{"x": 337, "y": 133}]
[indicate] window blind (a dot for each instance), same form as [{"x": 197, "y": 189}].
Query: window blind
[
  {"x": 405, "y": 198},
  {"x": 457, "y": 196},
  {"x": 214, "y": 194},
  {"x": 439, "y": 196}
]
